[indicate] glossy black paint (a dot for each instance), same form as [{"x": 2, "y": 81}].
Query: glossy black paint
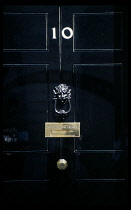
[{"x": 93, "y": 64}]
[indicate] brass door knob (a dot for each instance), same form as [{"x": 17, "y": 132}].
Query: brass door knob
[{"x": 62, "y": 164}]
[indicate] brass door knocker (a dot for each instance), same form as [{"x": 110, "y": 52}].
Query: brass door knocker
[{"x": 62, "y": 96}]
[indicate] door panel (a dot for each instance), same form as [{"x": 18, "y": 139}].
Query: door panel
[
  {"x": 98, "y": 86},
  {"x": 97, "y": 166},
  {"x": 93, "y": 64},
  {"x": 26, "y": 36},
  {"x": 30, "y": 166},
  {"x": 25, "y": 109},
  {"x": 99, "y": 31}
]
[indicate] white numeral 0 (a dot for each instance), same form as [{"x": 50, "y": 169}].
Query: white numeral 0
[
  {"x": 63, "y": 33},
  {"x": 65, "y": 36}
]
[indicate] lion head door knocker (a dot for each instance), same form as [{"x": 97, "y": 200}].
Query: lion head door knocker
[{"x": 62, "y": 97}]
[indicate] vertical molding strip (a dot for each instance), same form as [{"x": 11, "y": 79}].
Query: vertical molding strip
[{"x": 60, "y": 41}]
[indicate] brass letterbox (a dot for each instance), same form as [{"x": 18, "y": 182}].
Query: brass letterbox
[{"x": 62, "y": 129}]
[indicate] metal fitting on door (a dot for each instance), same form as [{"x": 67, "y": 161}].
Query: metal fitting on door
[
  {"x": 62, "y": 96},
  {"x": 62, "y": 164}
]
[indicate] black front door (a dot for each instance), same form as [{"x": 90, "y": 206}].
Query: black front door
[{"x": 46, "y": 50}]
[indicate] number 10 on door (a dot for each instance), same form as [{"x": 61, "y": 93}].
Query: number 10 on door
[{"x": 63, "y": 33}]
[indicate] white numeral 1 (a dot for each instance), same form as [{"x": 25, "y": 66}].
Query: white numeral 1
[{"x": 54, "y": 33}]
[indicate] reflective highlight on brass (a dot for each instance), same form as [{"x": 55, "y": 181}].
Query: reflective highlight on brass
[
  {"x": 69, "y": 129},
  {"x": 62, "y": 164}
]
